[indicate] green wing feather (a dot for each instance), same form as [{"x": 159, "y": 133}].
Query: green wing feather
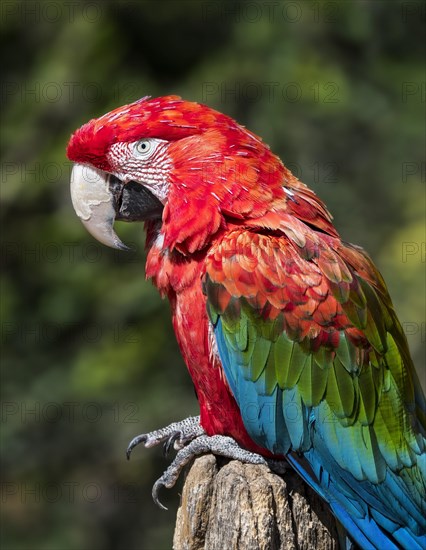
[{"x": 321, "y": 331}]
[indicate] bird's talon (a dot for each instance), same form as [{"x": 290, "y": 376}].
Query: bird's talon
[
  {"x": 169, "y": 443},
  {"x": 134, "y": 443},
  {"x": 155, "y": 491},
  {"x": 183, "y": 432}
]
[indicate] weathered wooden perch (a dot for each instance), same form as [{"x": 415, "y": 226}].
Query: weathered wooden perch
[{"x": 242, "y": 506}]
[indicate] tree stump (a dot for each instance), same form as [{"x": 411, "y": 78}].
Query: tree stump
[{"x": 234, "y": 506}]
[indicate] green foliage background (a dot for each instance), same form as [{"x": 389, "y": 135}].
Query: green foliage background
[{"x": 88, "y": 354}]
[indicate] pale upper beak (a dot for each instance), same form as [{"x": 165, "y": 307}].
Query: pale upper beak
[{"x": 100, "y": 198}]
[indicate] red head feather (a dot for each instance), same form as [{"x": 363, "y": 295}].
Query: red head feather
[
  {"x": 169, "y": 118},
  {"x": 220, "y": 169}
]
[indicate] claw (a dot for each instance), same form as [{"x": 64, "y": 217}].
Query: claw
[
  {"x": 180, "y": 435},
  {"x": 170, "y": 442},
  {"x": 186, "y": 430},
  {"x": 134, "y": 443},
  {"x": 155, "y": 490}
]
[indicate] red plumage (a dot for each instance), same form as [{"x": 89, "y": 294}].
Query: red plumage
[
  {"x": 270, "y": 308},
  {"x": 235, "y": 212}
]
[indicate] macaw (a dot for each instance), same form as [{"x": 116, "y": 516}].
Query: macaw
[{"x": 288, "y": 332}]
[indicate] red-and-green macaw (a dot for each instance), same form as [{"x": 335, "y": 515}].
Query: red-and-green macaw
[{"x": 288, "y": 333}]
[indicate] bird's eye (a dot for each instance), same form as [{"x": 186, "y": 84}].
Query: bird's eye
[{"x": 143, "y": 147}]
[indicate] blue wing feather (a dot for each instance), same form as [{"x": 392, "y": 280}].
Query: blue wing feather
[{"x": 280, "y": 422}]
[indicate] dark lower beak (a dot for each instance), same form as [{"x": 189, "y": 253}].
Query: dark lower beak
[{"x": 133, "y": 202}]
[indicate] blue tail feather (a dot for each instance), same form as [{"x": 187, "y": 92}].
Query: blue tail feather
[{"x": 388, "y": 518}]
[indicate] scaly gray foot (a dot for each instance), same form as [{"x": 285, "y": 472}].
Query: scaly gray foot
[
  {"x": 216, "y": 444},
  {"x": 177, "y": 434},
  {"x": 190, "y": 440}
]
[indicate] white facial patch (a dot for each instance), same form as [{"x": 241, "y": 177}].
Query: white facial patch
[{"x": 145, "y": 161}]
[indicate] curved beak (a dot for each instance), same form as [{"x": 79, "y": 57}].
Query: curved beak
[{"x": 100, "y": 198}]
